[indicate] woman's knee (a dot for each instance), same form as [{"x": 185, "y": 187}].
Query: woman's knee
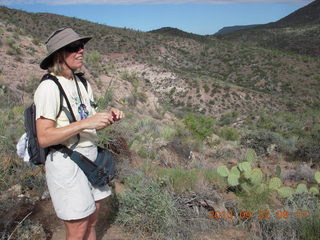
[
  {"x": 76, "y": 229},
  {"x": 94, "y": 217}
]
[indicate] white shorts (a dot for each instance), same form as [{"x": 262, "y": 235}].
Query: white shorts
[{"x": 72, "y": 195}]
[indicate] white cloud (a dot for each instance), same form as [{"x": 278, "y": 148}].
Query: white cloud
[{"x": 64, "y": 2}]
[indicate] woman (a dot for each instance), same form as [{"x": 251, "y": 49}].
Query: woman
[{"x": 75, "y": 200}]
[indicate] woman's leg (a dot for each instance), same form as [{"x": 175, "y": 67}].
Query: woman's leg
[
  {"x": 93, "y": 219},
  {"x": 76, "y": 229},
  {"x": 83, "y": 229}
]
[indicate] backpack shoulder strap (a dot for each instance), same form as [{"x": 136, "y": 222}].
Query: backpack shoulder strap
[
  {"x": 85, "y": 84},
  {"x": 62, "y": 94},
  {"x": 83, "y": 80},
  {"x": 69, "y": 111}
]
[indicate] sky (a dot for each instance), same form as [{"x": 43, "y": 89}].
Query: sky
[{"x": 194, "y": 16}]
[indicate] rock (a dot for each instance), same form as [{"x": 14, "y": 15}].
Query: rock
[
  {"x": 272, "y": 150},
  {"x": 119, "y": 187},
  {"x": 232, "y": 162},
  {"x": 45, "y": 195},
  {"x": 14, "y": 191},
  {"x": 211, "y": 204},
  {"x": 213, "y": 140}
]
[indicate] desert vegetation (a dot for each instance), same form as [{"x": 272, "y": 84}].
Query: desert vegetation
[{"x": 220, "y": 136}]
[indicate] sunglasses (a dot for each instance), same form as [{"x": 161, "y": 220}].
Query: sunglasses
[{"x": 74, "y": 47}]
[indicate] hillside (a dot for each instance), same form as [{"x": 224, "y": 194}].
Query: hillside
[
  {"x": 213, "y": 125},
  {"x": 296, "y": 33},
  {"x": 231, "y": 29},
  {"x": 213, "y": 78},
  {"x": 175, "y": 32},
  {"x": 309, "y": 14}
]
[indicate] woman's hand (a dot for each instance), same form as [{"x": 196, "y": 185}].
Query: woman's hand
[
  {"x": 116, "y": 114},
  {"x": 98, "y": 121},
  {"x": 102, "y": 119}
]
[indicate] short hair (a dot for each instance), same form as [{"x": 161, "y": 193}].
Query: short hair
[{"x": 55, "y": 65}]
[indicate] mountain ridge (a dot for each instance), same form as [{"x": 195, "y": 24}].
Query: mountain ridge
[
  {"x": 175, "y": 32},
  {"x": 230, "y": 29},
  {"x": 296, "y": 33},
  {"x": 309, "y": 14}
]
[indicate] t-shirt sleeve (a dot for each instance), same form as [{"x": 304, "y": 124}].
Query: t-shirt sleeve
[{"x": 47, "y": 100}]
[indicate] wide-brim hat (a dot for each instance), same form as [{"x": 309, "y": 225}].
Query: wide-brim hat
[{"x": 59, "y": 39}]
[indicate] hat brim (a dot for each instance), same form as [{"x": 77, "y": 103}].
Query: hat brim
[{"x": 45, "y": 63}]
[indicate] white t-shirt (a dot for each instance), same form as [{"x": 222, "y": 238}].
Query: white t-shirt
[{"x": 47, "y": 101}]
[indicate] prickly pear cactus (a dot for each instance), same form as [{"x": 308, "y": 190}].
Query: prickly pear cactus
[
  {"x": 235, "y": 171},
  {"x": 301, "y": 188},
  {"x": 256, "y": 176},
  {"x": 233, "y": 179},
  {"x": 278, "y": 171},
  {"x": 275, "y": 183},
  {"x": 314, "y": 190},
  {"x": 251, "y": 155},
  {"x": 261, "y": 188},
  {"x": 317, "y": 177},
  {"x": 246, "y": 187},
  {"x": 286, "y": 192},
  {"x": 245, "y": 167},
  {"x": 223, "y": 171}
]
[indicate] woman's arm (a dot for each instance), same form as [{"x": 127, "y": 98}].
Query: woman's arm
[{"x": 49, "y": 135}]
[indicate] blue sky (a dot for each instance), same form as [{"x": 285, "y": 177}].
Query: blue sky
[{"x": 200, "y": 17}]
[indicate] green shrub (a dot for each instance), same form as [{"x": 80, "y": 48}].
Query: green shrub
[
  {"x": 143, "y": 135},
  {"x": 11, "y": 43},
  {"x": 296, "y": 135},
  {"x": 104, "y": 101},
  {"x": 129, "y": 76},
  {"x": 308, "y": 151},
  {"x": 36, "y": 41},
  {"x": 309, "y": 227},
  {"x": 13, "y": 50},
  {"x": 305, "y": 215},
  {"x": 229, "y": 134},
  {"x": 200, "y": 127},
  {"x": 30, "y": 230},
  {"x": 146, "y": 207},
  {"x": 261, "y": 140},
  {"x": 206, "y": 88},
  {"x": 93, "y": 58},
  {"x": 167, "y": 133},
  {"x": 93, "y": 61},
  {"x": 228, "y": 118},
  {"x": 14, "y": 171},
  {"x": 142, "y": 97},
  {"x": 179, "y": 179},
  {"x": 11, "y": 123}
]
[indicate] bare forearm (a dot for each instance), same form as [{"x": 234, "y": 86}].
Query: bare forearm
[
  {"x": 53, "y": 136},
  {"x": 49, "y": 135}
]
